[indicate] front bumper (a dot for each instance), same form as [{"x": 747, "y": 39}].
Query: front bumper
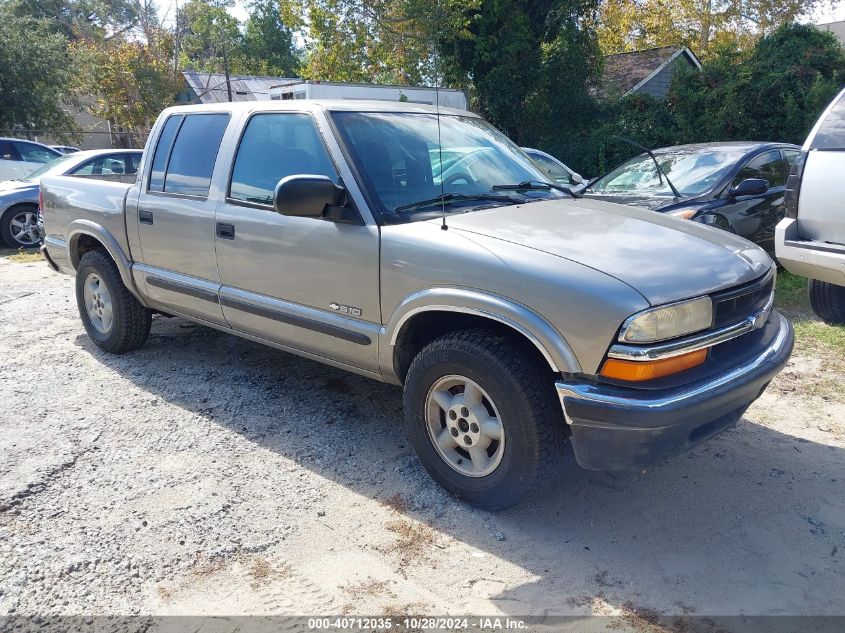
[
  {"x": 622, "y": 428},
  {"x": 809, "y": 258}
]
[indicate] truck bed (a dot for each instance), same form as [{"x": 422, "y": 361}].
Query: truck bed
[{"x": 68, "y": 201}]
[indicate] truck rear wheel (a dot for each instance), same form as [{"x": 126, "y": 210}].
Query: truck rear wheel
[
  {"x": 827, "y": 300},
  {"x": 113, "y": 318},
  {"x": 483, "y": 417}
]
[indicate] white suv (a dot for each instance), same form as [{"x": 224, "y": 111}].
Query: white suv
[{"x": 810, "y": 240}]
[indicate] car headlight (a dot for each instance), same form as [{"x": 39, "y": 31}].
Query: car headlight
[
  {"x": 684, "y": 214},
  {"x": 669, "y": 321}
]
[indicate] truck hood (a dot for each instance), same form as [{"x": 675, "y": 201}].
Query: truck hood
[{"x": 663, "y": 258}]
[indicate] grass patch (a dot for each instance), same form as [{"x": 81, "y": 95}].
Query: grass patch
[
  {"x": 791, "y": 291},
  {"x": 25, "y": 257},
  {"x": 810, "y": 331},
  {"x": 830, "y": 335}
]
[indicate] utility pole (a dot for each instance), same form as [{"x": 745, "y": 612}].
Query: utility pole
[
  {"x": 226, "y": 71},
  {"x": 178, "y": 37}
]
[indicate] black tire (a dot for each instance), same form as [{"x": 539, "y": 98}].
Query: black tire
[
  {"x": 130, "y": 325},
  {"x": 526, "y": 401},
  {"x": 6, "y": 225},
  {"x": 827, "y": 300}
]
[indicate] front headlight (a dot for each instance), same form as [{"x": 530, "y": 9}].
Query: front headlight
[
  {"x": 669, "y": 321},
  {"x": 684, "y": 214}
]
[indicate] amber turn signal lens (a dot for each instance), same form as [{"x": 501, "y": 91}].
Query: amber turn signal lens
[{"x": 638, "y": 371}]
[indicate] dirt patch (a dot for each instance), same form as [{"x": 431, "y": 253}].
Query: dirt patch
[
  {"x": 413, "y": 543},
  {"x": 369, "y": 588},
  {"x": 263, "y": 572}
]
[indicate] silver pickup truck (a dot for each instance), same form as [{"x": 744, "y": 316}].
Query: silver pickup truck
[{"x": 421, "y": 247}]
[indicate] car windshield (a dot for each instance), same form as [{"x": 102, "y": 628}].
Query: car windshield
[
  {"x": 54, "y": 167},
  {"x": 693, "y": 171},
  {"x": 409, "y": 172}
]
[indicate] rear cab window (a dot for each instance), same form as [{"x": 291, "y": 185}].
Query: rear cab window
[{"x": 186, "y": 152}]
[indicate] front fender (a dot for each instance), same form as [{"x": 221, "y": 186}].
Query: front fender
[{"x": 520, "y": 318}]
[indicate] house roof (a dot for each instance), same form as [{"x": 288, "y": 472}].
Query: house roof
[
  {"x": 626, "y": 72},
  {"x": 837, "y": 28},
  {"x": 211, "y": 87}
]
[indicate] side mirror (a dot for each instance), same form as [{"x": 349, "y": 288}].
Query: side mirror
[
  {"x": 576, "y": 178},
  {"x": 307, "y": 195},
  {"x": 749, "y": 187}
]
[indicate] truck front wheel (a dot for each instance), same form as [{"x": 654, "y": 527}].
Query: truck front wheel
[
  {"x": 483, "y": 417},
  {"x": 827, "y": 300},
  {"x": 112, "y": 316}
]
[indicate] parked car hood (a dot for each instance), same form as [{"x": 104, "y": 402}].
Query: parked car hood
[
  {"x": 654, "y": 203},
  {"x": 16, "y": 185},
  {"x": 663, "y": 258}
]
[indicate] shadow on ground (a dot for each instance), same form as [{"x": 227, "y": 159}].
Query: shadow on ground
[{"x": 750, "y": 522}]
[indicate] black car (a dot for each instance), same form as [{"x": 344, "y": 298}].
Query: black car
[{"x": 736, "y": 186}]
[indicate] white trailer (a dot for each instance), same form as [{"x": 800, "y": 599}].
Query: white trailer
[{"x": 447, "y": 97}]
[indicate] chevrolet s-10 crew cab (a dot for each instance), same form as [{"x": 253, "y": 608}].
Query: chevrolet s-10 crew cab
[{"x": 423, "y": 248}]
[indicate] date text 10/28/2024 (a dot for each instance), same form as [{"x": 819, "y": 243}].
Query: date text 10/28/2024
[{"x": 417, "y": 623}]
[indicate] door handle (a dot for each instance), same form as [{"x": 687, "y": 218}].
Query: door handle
[
  {"x": 145, "y": 217},
  {"x": 226, "y": 231}
]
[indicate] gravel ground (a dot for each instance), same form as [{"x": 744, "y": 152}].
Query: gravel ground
[{"x": 205, "y": 474}]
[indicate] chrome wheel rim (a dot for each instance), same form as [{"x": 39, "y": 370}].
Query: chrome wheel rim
[
  {"x": 24, "y": 228},
  {"x": 98, "y": 303},
  {"x": 464, "y": 426}
]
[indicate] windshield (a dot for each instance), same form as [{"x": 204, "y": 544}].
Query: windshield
[
  {"x": 693, "y": 171},
  {"x": 54, "y": 167},
  {"x": 398, "y": 156}
]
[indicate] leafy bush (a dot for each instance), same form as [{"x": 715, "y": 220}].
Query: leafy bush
[{"x": 774, "y": 93}]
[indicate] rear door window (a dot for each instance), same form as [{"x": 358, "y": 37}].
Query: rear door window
[
  {"x": 194, "y": 153},
  {"x": 768, "y": 166},
  {"x": 831, "y": 133},
  {"x": 274, "y": 146},
  {"x": 162, "y": 153},
  {"x": 184, "y": 165}
]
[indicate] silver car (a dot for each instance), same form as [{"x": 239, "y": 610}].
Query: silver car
[
  {"x": 421, "y": 247},
  {"x": 19, "y": 157},
  {"x": 19, "y": 198}
]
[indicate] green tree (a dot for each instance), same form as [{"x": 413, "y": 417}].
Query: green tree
[
  {"x": 377, "y": 41},
  {"x": 206, "y": 34},
  {"x": 774, "y": 94},
  {"x": 35, "y": 79},
  {"x": 89, "y": 19},
  {"x": 267, "y": 46},
  {"x": 706, "y": 26},
  {"x": 529, "y": 64},
  {"x": 132, "y": 81}
]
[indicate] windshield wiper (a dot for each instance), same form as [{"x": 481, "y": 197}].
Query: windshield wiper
[
  {"x": 449, "y": 198},
  {"x": 660, "y": 172},
  {"x": 535, "y": 185}
]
